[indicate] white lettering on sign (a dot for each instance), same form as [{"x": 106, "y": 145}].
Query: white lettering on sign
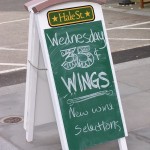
[
  {"x": 103, "y": 108},
  {"x": 86, "y": 81},
  {"x": 77, "y": 38},
  {"x": 74, "y": 113},
  {"x": 81, "y": 59},
  {"x": 98, "y": 127}
]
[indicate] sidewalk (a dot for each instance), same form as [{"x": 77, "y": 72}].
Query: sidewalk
[
  {"x": 133, "y": 79},
  {"x": 131, "y": 9},
  {"x": 134, "y": 85}
]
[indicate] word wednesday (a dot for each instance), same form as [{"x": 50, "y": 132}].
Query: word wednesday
[{"x": 88, "y": 37}]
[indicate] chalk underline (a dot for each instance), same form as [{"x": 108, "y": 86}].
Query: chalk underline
[{"x": 87, "y": 97}]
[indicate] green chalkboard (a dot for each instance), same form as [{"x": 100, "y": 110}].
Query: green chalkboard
[{"x": 85, "y": 84}]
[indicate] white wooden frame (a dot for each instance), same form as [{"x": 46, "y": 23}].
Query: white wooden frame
[
  {"x": 41, "y": 26},
  {"x": 38, "y": 110},
  {"x": 35, "y": 63}
]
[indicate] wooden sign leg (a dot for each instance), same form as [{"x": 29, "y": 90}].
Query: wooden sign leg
[
  {"x": 38, "y": 103},
  {"x": 28, "y": 74},
  {"x": 122, "y": 144},
  {"x": 32, "y": 93},
  {"x": 31, "y": 83}
]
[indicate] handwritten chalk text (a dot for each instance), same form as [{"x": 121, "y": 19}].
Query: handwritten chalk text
[
  {"x": 87, "y": 81},
  {"x": 98, "y": 127},
  {"x": 98, "y": 109},
  {"x": 73, "y": 113},
  {"x": 88, "y": 37}
]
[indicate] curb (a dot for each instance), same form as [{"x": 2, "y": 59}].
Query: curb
[{"x": 18, "y": 77}]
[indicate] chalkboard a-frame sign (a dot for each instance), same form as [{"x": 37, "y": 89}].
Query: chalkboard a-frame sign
[{"x": 81, "y": 75}]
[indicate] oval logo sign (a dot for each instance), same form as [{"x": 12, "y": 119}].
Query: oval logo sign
[{"x": 69, "y": 16}]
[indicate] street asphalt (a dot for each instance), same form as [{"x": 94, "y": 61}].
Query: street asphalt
[
  {"x": 129, "y": 36},
  {"x": 130, "y": 23}
]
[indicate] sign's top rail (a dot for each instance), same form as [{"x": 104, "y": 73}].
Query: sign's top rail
[
  {"x": 40, "y": 5},
  {"x": 32, "y": 3}
]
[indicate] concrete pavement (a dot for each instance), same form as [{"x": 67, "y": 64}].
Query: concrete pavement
[{"x": 133, "y": 79}]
